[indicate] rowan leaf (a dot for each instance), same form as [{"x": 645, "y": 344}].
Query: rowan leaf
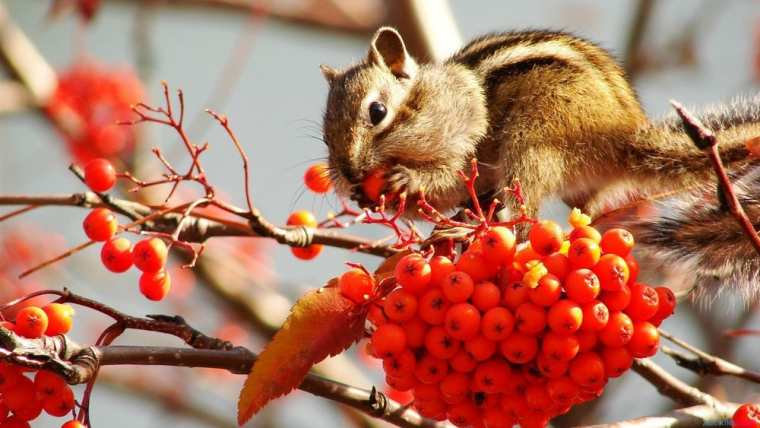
[{"x": 322, "y": 323}]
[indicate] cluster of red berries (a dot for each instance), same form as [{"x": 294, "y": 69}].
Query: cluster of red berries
[
  {"x": 90, "y": 99},
  {"x": 511, "y": 334},
  {"x": 25, "y": 393},
  {"x": 117, "y": 253},
  {"x": 317, "y": 179},
  {"x": 747, "y": 416}
]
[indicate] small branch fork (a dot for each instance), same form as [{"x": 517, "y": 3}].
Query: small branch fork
[
  {"x": 706, "y": 141},
  {"x": 79, "y": 364}
]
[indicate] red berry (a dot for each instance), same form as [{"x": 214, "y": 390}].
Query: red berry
[
  {"x": 519, "y": 348},
  {"x": 100, "y": 224},
  {"x": 440, "y": 268},
  {"x": 116, "y": 255},
  {"x": 431, "y": 370},
  {"x": 747, "y": 416},
  {"x": 473, "y": 263},
  {"x": 584, "y": 253},
  {"x": 480, "y": 348},
  {"x": 585, "y": 232},
  {"x": 560, "y": 347},
  {"x": 666, "y": 302},
  {"x": 498, "y": 245},
  {"x": 9, "y": 376},
  {"x": 155, "y": 285},
  {"x": 441, "y": 344},
  {"x": 551, "y": 368},
  {"x": 388, "y": 340},
  {"x": 433, "y": 306},
  {"x": 565, "y": 317},
  {"x": 463, "y": 414},
  {"x": 413, "y": 273},
  {"x": 562, "y": 390},
  {"x": 486, "y": 296},
  {"x": 73, "y": 424},
  {"x": 150, "y": 254},
  {"x": 514, "y": 293},
  {"x": 587, "y": 340},
  {"x": 458, "y": 287},
  {"x": 48, "y": 384},
  {"x": 587, "y": 370},
  {"x": 20, "y": 395},
  {"x": 616, "y": 361},
  {"x": 612, "y": 271},
  {"x": 582, "y": 286},
  {"x": 307, "y": 219},
  {"x": 497, "y": 324},
  {"x": 644, "y": 340},
  {"x": 358, "y": 286},
  {"x": 317, "y": 178},
  {"x": 59, "y": 318},
  {"x": 373, "y": 185},
  {"x": 616, "y": 300},
  {"x": 307, "y": 253},
  {"x": 401, "y": 383},
  {"x": 617, "y": 241},
  {"x": 415, "y": 330},
  {"x": 463, "y": 362},
  {"x": 400, "y": 365},
  {"x": 618, "y": 331},
  {"x": 61, "y": 404},
  {"x": 99, "y": 175},
  {"x": 644, "y": 302},
  {"x": 492, "y": 377},
  {"x": 545, "y": 237},
  {"x": 530, "y": 318},
  {"x": 463, "y": 321},
  {"x": 31, "y": 322},
  {"x": 595, "y": 316},
  {"x": 455, "y": 387},
  {"x": 537, "y": 397}
]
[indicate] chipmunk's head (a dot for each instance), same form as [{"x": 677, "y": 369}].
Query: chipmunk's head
[{"x": 389, "y": 112}]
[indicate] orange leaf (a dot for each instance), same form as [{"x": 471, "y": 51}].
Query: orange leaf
[{"x": 322, "y": 323}]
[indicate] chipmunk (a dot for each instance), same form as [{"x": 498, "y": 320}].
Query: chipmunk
[{"x": 556, "y": 113}]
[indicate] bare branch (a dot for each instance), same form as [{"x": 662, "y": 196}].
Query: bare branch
[
  {"x": 673, "y": 388},
  {"x": 690, "y": 417}
]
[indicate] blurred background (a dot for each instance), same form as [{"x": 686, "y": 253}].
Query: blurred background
[{"x": 259, "y": 65}]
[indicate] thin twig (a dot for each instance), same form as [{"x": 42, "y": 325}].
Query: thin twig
[
  {"x": 689, "y": 417},
  {"x": 671, "y": 387}
]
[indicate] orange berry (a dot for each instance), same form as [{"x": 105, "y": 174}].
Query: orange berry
[
  {"x": 388, "y": 340},
  {"x": 458, "y": 287},
  {"x": 440, "y": 268},
  {"x": 595, "y": 316},
  {"x": 359, "y": 286},
  {"x": 582, "y": 286},
  {"x": 73, "y": 424},
  {"x": 463, "y": 362},
  {"x": 633, "y": 268},
  {"x": 497, "y": 324},
  {"x": 431, "y": 370},
  {"x": 99, "y": 175},
  {"x": 373, "y": 184},
  {"x": 486, "y": 296},
  {"x": 565, "y": 317},
  {"x": 413, "y": 273},
  {"x": 100, "y": 224},
  {"x": 31, "y": 322},
  {"x": 480, "y": 348},
  {"x": 550, "y": 367},
  {"x": 473, "y": 263},
  {"x": 306, "y": 253},
  {"x": 616, "y": 300},
  {"x": 587, "y": 370},
  {"x": 59, "y": 318},
  {"x": 644, "y": 302},
  {"x": 404, "y": 383},
  {"x": 560, "y": 347},
  {"x": 747, "y": 416},
  {"x": 558, "y": 265},
  {"x": 519, "y": 348},
  {"x": 585, "y": 232},
  {"x": 463, "y": 414},
  {"x": 492, "y": 377},
  {"x": 400, "y": 365},
  {"x": 530, "y": 318},
  {"x": 514, "y": 293},
  {"x": 612, "y": 271},
  {"x": 440, "y": 344},
  {"x": 666, "y": 302},
  {"x": 302, "y": 218},
  {"x": 525, "y": 255},
  {"x": 616, "y": 361},
  {"x": 155, "y": 285},
  {"x": 618, "y": 331},
  {"x": 583, "y": 253},
  {"x": 60, "y": 405},
  {"x": 433, "y": 306},
  {"x": 415, "y": 330},
  {"x": 547, "y": 292},
  {"x": 463, "y": 321},
  {"x": 116, "y": 255},
  {"x": 400, "y": 305},
  {"x": 150, "y": 254},
  {"x": 617, "y": 241},
  {"x": 455, "y": 387},
  {"x": 498, "y": 245},
  {"x": 317, "y": 178},
  {"x": 545, "y": 237},
  {"x": 645, "y": 340}
]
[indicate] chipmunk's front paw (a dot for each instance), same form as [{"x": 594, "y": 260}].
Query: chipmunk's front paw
[{"x": 402, "y": 179}]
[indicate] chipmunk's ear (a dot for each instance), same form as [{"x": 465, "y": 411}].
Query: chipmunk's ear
[
  {"x": 388, "y": 49},
  {"x": 330, "y": 73}
]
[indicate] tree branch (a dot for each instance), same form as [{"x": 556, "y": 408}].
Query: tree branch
[
  {"x": 690, "y": 417},
  {"x": 673, "y": 388}
]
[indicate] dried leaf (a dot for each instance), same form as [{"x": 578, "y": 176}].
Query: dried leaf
[{"x": 322, "y": 323}]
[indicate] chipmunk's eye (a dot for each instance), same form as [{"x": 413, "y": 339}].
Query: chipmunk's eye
[{"x": 377, "y": 112}]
